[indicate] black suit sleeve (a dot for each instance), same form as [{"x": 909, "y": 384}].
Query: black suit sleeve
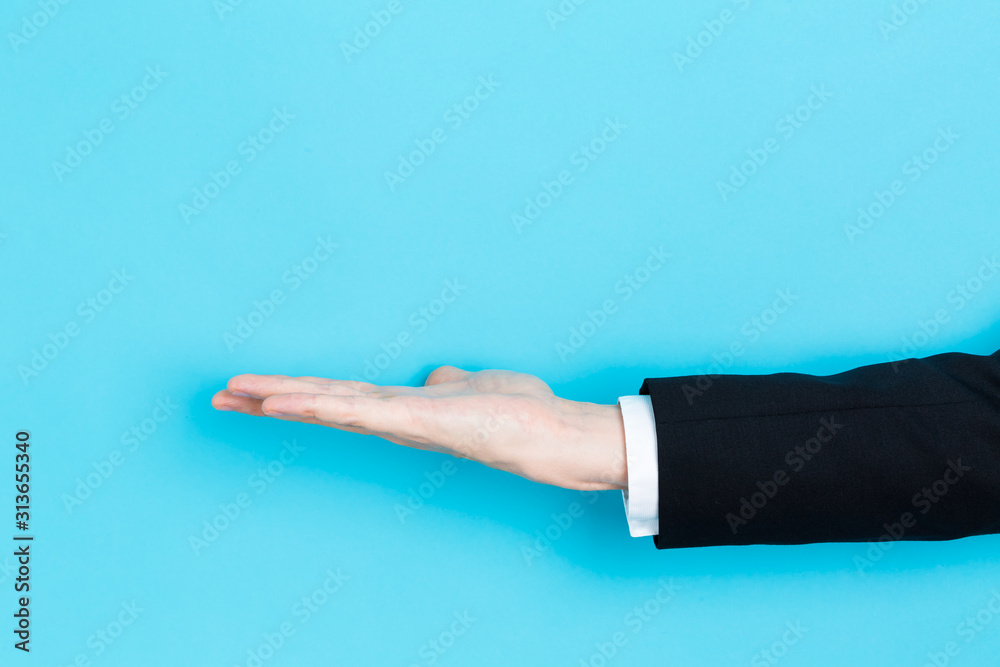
[{"x": 906, "y": 450}]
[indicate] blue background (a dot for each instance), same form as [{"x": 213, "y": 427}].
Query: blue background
[{"x": 688, "y": 124}]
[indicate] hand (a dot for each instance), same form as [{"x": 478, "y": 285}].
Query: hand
[{"x": 506, "y": 420}]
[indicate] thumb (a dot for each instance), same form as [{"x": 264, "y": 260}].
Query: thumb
[{"x": 444, "y": 374}]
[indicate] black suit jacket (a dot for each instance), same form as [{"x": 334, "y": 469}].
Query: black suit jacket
[{"x": 906, "y": 450}]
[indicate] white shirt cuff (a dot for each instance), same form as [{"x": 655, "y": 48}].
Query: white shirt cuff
[{"x": 642, "y": 498}]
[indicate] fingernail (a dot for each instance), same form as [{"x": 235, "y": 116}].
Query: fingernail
[
  {"x": 224, "y": 408},
  {"x": 239, "y": 393},
  {"x": 272, "y": 413}
]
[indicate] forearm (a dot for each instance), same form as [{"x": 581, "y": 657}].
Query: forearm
[{"x": 792, "y": 458}]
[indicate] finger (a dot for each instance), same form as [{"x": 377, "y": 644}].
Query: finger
[
  {"x": 353, "y": 384},
  {"x": 444, "y": 374},
  {"x": 400, "y": 416},
  {"x": 262, "y": 386},
  {"x": 227, "y": 402}
]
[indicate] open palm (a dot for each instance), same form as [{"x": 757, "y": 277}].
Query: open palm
[{"x": 506, "y": 420}]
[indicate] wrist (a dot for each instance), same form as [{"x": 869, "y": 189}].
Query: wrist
[
  {"x": 618, "y": 464},
  {"x": 604, "y": 433}
]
